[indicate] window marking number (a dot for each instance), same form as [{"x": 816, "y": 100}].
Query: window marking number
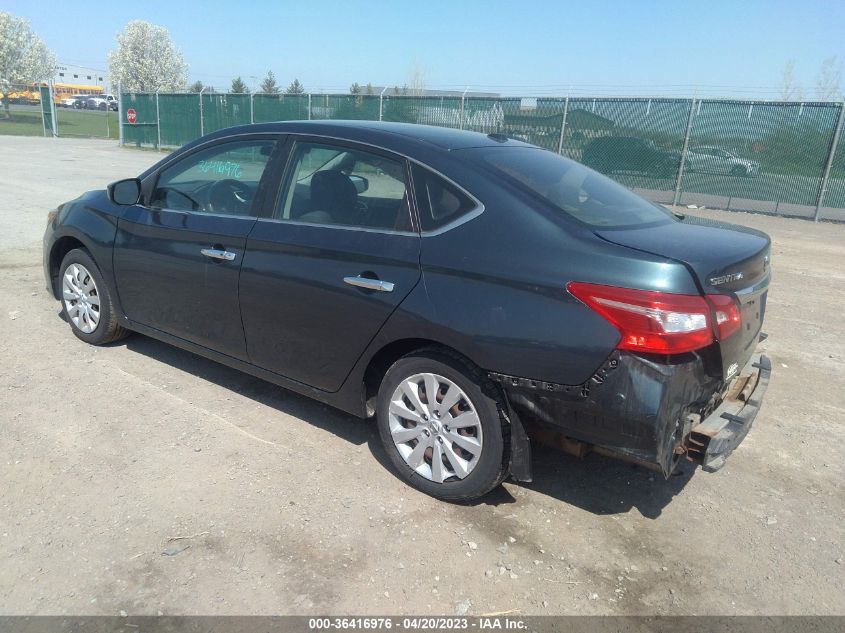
[{"x": 222, "y": 167}]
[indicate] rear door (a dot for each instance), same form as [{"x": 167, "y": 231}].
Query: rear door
[
  {"x": 339, "y": 254},
  {"x": 178, "y": 256}
]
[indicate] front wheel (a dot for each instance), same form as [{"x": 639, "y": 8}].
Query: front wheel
[
  {"x": 739, "y": 170},
  {"x": 86, "y": 302},
  {"x": 440, "y": 420}
]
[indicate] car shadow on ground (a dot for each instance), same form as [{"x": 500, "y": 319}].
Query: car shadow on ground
[
  {"x": 345, "y": 426},
  {"x": 594, "y": 483},
  {"x": 602, "y": 485}
]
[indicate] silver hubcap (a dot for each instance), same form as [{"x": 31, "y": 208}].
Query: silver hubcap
[
  {"x": 435, "y": 427},
  {"x": 82, "y": 300}
]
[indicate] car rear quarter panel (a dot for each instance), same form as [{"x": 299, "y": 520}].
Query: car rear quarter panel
[{"x": 496, "y": 287}]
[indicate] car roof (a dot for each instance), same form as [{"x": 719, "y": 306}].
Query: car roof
[{"x": 396, "y": 136}]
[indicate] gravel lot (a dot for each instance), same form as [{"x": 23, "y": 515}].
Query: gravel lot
[{"x": 114, "y": 459}]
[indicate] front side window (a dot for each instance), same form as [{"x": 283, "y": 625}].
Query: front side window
[
  {"x": 571, "y": 188},
  {"x": 221, "y": 179},
  {"x": 339, "y": 186}
]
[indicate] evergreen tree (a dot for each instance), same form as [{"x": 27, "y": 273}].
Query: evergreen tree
[
  {"x": 238, "y": 86},
  {"x": 295, "y": 88},
  {"x": 269, "y": 84}
]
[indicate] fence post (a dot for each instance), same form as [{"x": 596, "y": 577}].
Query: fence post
[
  {"x": 677, "y": 197},
  {"x": 563, "y": 125},
  {"x": 823, "y": 189},
  {"x": 381, "y": 105},
  {"x": 120, "y": 113},
  {"x": 158, "y": 124},
  {"x": 309, "y": 106},
  {"x": 463, "y": 100},
  {"x": 251, "y": 110},
  {"x": 202, "y": 125}
]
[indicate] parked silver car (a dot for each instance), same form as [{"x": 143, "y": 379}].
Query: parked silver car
[{"x": 718, "y": 161}]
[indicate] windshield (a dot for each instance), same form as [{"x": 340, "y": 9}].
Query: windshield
[{"x": 572, "y": 188}]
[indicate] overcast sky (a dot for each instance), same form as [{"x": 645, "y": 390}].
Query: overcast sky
[{"x": 704, "y": 47}]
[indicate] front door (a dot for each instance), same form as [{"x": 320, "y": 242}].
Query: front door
[
  {"x": 323, "y": 274},
  {"x": 177, "y": 258}
]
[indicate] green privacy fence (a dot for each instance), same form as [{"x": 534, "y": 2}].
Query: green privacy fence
[
  {"x": 770, "y": 157},
  {"x": 48, "y": 111}
]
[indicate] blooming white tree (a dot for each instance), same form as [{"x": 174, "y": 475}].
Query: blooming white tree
[
  {"x": 24, "y": 58},
  {"x": 147, "y": 60}
]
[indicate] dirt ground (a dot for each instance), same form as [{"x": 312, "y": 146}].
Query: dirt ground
[{"x": 143, "y": 479}]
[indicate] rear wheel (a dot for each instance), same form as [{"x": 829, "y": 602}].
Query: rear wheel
[
  {"x": 86, "y": 302},
  {"x": 441, "y": 424}
]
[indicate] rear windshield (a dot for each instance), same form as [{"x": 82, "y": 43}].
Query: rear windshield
[{"x": 572, "y": 188}]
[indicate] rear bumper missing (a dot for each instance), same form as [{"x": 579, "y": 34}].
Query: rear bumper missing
[
  {"x": 644, "y": 410},
  {"x": 716, "y": 437}
]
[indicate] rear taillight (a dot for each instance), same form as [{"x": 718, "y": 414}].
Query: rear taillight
[
  {"x": 650, "y": 321},
  {"x": 728, "y": 319},
  {"x": 660, "y": 322}
]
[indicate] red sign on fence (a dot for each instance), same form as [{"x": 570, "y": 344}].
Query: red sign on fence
[{"x": 131, "y": 116}]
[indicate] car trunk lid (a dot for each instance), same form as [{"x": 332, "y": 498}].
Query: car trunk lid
[{"x": 725, "y": 259}]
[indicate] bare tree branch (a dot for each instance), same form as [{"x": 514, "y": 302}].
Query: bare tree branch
[{"x": 829, "y": 80}]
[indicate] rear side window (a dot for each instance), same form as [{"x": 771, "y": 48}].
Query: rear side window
[
  {"x": 438, "y": 200},
  {"x": 339, "y": 186},
  {"x": 573, "y": 189}
]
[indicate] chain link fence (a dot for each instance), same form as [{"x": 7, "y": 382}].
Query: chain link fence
[
  {"x": 768, "y": 157},
  {"x": 21, "y": 112},
  {"x": 48, "y": 110}
]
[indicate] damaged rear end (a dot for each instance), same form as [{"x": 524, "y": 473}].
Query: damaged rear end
[
  {"x": 687, "y": 297},
  {"x": 731, "y": 266},
  {"x": 686, "y": 379}
]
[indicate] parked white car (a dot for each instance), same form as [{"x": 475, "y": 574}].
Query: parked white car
[
  {"x": 718, "y": 161},
  {"x": 100, "y": 102},
  {"x": 70, "y": 102}
]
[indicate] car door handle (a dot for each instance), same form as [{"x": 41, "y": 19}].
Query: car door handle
[
  {"x": 369, "y": 284},
  {"x": 217, "y": 253}
]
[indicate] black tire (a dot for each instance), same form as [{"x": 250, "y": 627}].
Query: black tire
[
  {"x": 739, "y": 170},
  {"x": 108, "y": 329},
  {"x": 486, "y": 398}
]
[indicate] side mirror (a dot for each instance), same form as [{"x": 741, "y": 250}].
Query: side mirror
[
  {"x": 125, "y": 192},
  {"x": 361, "y": 183}
]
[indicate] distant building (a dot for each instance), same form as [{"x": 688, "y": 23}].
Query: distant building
[{"x": 82, "y": 75}]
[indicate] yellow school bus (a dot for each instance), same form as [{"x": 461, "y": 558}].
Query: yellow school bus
[
  {"x": 30, "y": 94},
  {"x": 62, "y": 92}
]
